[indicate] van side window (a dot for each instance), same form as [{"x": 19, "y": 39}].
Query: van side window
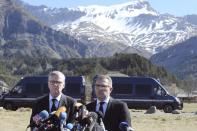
[
  {"x": 143, "y": 89},
  {"x": 122, "y": 89},
  {"x": 46, "y": 89},
  {"x": 72, "y": 89},
  {"x": 32, "y": 88},
  {"x": 157, "y": 91}
]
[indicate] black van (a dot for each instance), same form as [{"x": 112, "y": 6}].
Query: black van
[
  {"x": 142, "y": 93},
  {"x": 32, "y": 88}
]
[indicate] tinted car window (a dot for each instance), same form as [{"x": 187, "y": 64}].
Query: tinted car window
[
  {"x": 72, "y": 89},
  {"x": 122, "y": 89},
  {"x": 46, "y": 89},
  {"x": 143, "y": 89},
  {"x": 32, "y": 88}
]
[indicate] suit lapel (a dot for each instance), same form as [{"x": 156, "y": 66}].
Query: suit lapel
[
  {"x": 107, "y": 112},
  {"x": 63, "y": 101},
  {"x": 94, "y": 106}
]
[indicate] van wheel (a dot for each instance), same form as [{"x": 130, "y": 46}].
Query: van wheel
[
  {"x": 10, "y": 106},
  {"x": 168, "y": 109}
]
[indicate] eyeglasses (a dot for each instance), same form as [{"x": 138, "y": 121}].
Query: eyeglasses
[
  {"x": 101, "y": 86},
  {"x": 55, "y": 82}
]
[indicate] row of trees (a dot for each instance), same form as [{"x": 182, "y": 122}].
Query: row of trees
[{"x": 130, "y": 64}]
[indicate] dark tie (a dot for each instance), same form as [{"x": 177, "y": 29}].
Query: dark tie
[
  {"x": 101, "y": 107},
  {"x": 53, "y": 108}
]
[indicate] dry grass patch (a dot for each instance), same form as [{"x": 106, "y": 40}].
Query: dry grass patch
[{"x": 160, "y": 121}]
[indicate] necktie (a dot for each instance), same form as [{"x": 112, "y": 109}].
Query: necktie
[
  {"x": 53, "y": 108},
  {"x": 101, "y": 107}
]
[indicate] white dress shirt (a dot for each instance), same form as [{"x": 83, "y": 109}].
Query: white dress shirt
[
  {"x": 104, "y": 105},
  {"x": 56, "y": 102}
]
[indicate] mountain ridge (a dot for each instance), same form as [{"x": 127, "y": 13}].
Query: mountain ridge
[
  {"x": 21, "y": 35},
  {"x": 132, "y": 24}
]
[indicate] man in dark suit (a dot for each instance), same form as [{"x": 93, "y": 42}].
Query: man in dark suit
[
  {"x": 114, "y": 111},
  {"x": 55, "y": 99}
]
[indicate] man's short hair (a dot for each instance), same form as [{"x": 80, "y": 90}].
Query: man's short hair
[
  {"x": 58, "y": 73},
  {"x": 101, "y": 77}
]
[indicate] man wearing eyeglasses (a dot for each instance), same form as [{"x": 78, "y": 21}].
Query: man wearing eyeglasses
[
  {"x": 55, "y": 98},
  {"x": 114, "y": 111}
]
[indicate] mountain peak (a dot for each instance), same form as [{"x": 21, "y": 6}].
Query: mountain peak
[{"x": 130, "y": 9}]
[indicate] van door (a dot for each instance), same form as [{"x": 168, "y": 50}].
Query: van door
[
  {"x": 29, "y": 95},
  {"x": 158, "y": 97},
  {"x": 142, "y": 97},
  {"x": 123, "y": 92}
]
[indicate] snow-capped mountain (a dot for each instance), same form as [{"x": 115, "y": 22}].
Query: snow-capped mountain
[{"x": 110, "y": 29}]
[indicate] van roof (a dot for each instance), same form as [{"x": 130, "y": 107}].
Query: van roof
[
  {"x": 38, "y": 79},
  {"x": 132, "y": 78}
]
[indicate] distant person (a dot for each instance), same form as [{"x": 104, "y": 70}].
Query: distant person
[
  {"x": 114, "y": 111},
  {"x": 55, "y": 99}
]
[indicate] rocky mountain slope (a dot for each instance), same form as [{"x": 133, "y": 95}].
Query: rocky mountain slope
[
  {"x": 23, "y": 35},
  {"x": 134, "y": 24}
]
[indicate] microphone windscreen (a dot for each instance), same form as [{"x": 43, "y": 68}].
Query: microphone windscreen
[
  {"x": 61, "y": 109},
  {"x": 63, "y": 116},
  {"x": 43, "y": 114},
  {"x": 69, "y": 126},
  {"x": 124, "y": 126}
]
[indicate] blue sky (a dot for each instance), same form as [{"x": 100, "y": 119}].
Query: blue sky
[{"x": 174, "y": 7}]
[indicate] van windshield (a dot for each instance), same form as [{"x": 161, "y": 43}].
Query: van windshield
[
  {"x": 159, "y": 91},
  {"x": 17, "y": 89}
]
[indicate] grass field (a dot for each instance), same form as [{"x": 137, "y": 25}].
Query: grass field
[{"x": 160, "y": 121}]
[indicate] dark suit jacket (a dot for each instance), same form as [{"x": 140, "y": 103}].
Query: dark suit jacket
[
  {"x": 43, "y": 104},
  {"x": 116, "y": 112}
]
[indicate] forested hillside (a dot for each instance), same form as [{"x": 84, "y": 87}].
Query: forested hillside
[{"x": 130, "y": 64}]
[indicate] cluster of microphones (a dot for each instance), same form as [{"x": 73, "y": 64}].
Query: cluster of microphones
[{"x": 83, "y": 121}]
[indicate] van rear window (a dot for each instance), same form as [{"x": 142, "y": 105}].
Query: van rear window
[
  {"x": 122, "y": 89},
  {"x": 143, "y": 89}
]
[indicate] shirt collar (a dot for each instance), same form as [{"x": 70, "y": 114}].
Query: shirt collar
[
  {"x": 106, "y": 100},
  {"x": 57, "y": 98}
]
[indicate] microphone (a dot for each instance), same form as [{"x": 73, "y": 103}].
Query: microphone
[
  {"x": 69, "y": 126},
  {"x": 80, "y": 112},
  {"x": 89, "y": 121},
  {"x": 124, "y": 126},
  {"x": 56, "y": 114},
  {"x": 53, "y": 120},
  {"x": 38, "y": 118},
  {"x": 93, "y": 116},
  {"x": 101, "y": 116},
  {"x": 76, "y": 110},
  {"x": 62, "y": 118}
]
